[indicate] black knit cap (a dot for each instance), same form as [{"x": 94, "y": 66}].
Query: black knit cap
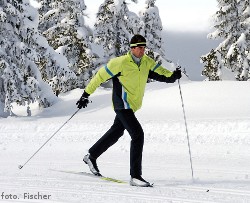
[{"x": 137, "y": 40}]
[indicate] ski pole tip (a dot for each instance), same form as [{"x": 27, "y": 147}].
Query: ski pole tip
[{"x": 20, "y": 166}]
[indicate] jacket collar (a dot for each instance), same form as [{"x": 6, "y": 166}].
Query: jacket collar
[{"x": 129, "y": 54}]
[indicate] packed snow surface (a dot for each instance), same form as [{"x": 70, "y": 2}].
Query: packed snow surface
[{"x": 218, "y": 123}]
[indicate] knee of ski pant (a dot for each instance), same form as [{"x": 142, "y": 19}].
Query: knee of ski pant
[
  {"x": 137, "y": 134},
  {"x": 115, "y": 139}
]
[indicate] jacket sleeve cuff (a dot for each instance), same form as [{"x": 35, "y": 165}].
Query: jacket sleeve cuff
[{"x": 85, "y": 94}]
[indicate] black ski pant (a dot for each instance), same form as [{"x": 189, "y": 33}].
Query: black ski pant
[{"x": 125, "y": 119}]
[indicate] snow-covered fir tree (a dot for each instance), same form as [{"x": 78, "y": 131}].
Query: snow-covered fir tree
[
  {"x": 65, "y": 30},
  {"x": 44, "y": 10},
  {"x": 52, "y": 65},
  {"x": 213, "y": 64},
  {"x": 152, "y": 28},
  {"x": 105, "y": 33},
  {"x": 232, "y": 25},
  {"x": 20, "y": 80},
  {"x": 114, "y": 27},
  {"x": 239, "y": 53}
]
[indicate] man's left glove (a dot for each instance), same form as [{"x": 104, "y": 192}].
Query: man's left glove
[
  {"x": 83, "y": 101},
  {"x": 176, "y": 74}
]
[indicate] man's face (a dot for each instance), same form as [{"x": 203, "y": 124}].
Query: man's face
[{"x": 138, "y": 51}]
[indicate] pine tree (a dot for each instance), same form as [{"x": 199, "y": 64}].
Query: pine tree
[
  {"x": 233, "y": 27},
  {"x": 213, "y": 65},
  {"x": 238, "y": 54},
  {"x": 20, "y": 79},
  {"x": 105, "y": 32},
  {"x": 126, "y": 26},
  {"x": 114, "y": 27},
  {"x": 152, "y": 28},
  {"x": 45, "y": 10},
  {"x": 64, "y": 28}
]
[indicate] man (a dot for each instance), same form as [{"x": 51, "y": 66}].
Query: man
[{"x": 129, "y": 73}]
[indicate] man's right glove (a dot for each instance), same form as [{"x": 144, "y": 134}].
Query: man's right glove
[
  {"x": 176, "y": 74},
  {"x": 83, "y": 101}
]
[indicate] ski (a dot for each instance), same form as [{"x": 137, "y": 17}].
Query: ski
[
  {"x": 92, "y": 175},
  {"x": 105, "y": 178}
]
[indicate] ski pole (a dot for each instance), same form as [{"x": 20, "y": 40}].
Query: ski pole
[
  {"x": 21, "y": 166},
  {"x": 184, "y": 114}
]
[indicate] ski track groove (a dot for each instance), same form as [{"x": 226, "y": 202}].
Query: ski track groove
[
  {"x": 211, "y": 190},
  {"x": 101, "y": 182},
  {"x": 108, "y": 193},
  {"x": 114, "y": 190},
  {"x": 186, "y": 188},
  {"x": 72, "y": 188}
]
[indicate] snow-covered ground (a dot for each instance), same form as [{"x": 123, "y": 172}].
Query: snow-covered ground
[{"x": 218, "y": 120}]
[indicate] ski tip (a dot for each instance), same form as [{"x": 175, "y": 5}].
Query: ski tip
[{"x": 151, "y": 185}]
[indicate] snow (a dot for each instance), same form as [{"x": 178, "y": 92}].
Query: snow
[{"x": 218, "y": 125}]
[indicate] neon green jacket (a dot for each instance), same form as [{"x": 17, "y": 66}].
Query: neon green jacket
[{"x": 129, "y": 80}]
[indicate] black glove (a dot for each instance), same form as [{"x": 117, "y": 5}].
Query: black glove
[
  {"x": 83, "y": 101},
  {"x": 176, "y": 74}
]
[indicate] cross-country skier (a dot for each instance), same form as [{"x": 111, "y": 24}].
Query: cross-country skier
[{"x": 129, "y": 74}]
